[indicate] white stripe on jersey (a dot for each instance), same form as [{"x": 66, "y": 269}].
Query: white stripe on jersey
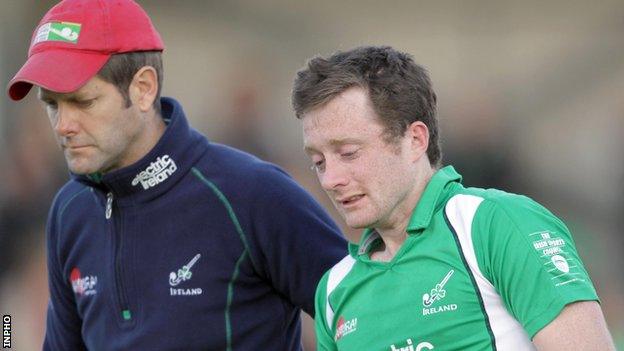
[
  {"x": 508, "y": 333},
  {"x": 336, "y": 275}
]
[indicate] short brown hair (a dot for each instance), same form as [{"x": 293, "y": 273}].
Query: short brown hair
[
  {"x": 399, "y": 89},
  {"x": 121, "y": 68}
]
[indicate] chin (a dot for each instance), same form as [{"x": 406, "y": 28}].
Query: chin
[
  {"x": 358, "y": 223},
  {"x": 356, "y": 219},
  {"x": 80, "y": 169}
]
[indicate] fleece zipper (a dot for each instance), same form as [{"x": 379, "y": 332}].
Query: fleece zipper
[{"x": 117, "y": 236}]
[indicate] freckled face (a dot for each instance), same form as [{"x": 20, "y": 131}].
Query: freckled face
[{"x": 367, "y": 179}]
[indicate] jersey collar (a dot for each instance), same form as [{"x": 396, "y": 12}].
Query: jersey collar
[{"x": 432, "y": 197}]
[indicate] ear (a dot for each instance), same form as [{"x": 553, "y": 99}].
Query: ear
[
  {"x": 418, "y": 135},
  {"x": 143, "y": 88}
]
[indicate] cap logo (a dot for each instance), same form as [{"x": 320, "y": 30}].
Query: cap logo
[{"x": 58, "y": 31}]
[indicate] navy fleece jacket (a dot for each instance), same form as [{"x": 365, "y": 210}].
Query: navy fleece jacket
[{"x": 197, "y": 246}]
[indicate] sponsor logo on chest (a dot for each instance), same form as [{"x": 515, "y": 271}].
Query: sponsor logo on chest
[
  {"x": 437, "y": 294},
  {"x": 409, "y": 346},
  {"x": 83, "y": 286},
  {"x": 156, "y": 173},
  {"x": 345, "y": 327}
]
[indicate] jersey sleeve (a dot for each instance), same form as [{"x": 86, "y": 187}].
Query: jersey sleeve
[
  {"x": 63, "y": 323},
  {"x": 529, "y": 256},
  {"x": 294, "y": 239},
  {"x": 324, "y": 339}
]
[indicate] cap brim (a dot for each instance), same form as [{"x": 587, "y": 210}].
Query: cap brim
[{"x": 61, "y": 71}]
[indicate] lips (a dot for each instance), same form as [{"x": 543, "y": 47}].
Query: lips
[
  {"x": 75, "y": 147},
  {"x": 77, "y": 150},
  {"x": 350, "y": 200}
]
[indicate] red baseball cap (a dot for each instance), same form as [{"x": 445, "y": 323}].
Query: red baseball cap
[{"x": 76, "y": 38}]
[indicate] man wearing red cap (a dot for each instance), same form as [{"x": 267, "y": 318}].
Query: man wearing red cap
[{"x": 161, "y": 240}]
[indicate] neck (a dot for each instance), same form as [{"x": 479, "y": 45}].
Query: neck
[
  {"x": 391, "y": 245},
  {"x": 154, "y": 128},
  {"x": 394, "y": 235}
]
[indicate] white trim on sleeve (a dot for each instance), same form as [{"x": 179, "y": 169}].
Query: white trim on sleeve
[{"x": 336, "y": 275}]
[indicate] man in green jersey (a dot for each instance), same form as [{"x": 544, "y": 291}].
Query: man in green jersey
[{"x": 439, "y": 266}]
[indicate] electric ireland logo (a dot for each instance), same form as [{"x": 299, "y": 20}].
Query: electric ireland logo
[{"x": 156, "y": 173}]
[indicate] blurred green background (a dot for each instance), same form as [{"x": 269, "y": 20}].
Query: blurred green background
[{"x": 530, "y": 100}]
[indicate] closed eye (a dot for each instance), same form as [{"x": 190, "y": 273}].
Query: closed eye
[
  {"x": 350, "y": 155},
  {"x": 84, "y": 103}
]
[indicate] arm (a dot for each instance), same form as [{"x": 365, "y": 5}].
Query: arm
[
  {"x": 296, "y": 241},
  {"x": 63, "y": 323},
  {"x": 580, "y": 326},
  {"x": 324, "y": 339},
  {"x": 520, "y": 241}
]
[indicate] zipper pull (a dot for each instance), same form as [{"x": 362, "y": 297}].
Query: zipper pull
[{"x": 109, "y": 205}]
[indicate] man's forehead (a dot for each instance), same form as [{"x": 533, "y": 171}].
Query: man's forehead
[
  {"x": 330, "y": 131},
  {"x": 344, "y": 107},
  {"x": 44, "y": 93},
  {"x": 334, "y": 117}
]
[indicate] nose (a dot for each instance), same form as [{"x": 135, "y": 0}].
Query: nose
[
  {"x": 64, "y": 120},
  {"x": 334, "y": 176}
]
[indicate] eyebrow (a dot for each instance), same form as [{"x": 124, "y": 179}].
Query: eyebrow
[
  {"x": 339, "y": 142},
  {"x": 335, "y": 142},
  {"x": 46, "y": 95}
]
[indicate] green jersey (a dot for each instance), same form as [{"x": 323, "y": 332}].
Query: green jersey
[{"x": 479, "y": 270}]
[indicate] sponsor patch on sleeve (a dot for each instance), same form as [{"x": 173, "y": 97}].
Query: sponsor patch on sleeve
[{"x": 556, "y": 258}]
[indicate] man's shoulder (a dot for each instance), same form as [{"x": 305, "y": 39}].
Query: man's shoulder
[
  {"x": 68, "y": 193},
  {"x": 70, "y": 198},
  {"x": 227, "y": 167},
  {"x": 336, "y": 275},
  {"x": 495, "y": 199},
  {"x": 501, "y": 210}
]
